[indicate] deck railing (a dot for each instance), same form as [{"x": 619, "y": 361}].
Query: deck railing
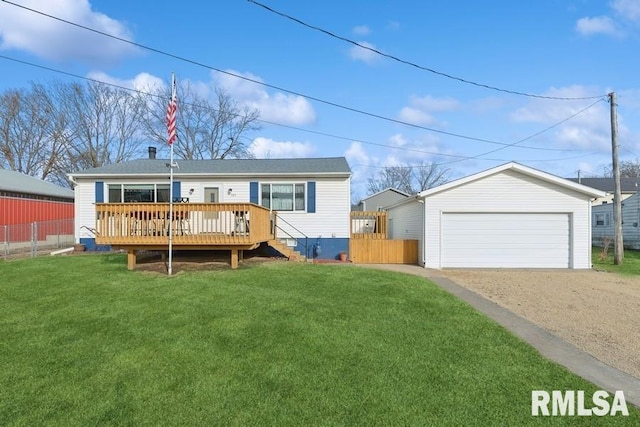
[
  {"x": 191, "y": 224},
  {"x": 369, "y": 225}
]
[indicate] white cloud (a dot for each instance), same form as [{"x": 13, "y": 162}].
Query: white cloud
[
  {"x": 586, "y": 169},
  {"x": 358, "y": 53},
  {"x": 361, "y": 30},
  {"x": 398, "y": 140},
  {"x": 598, "y": 25},
  {"x": 416, "y": 116},
  {"x": 628, "y": 9},
  {"x": 393, "y": 25},
  {"x": 420, "y": 108},
  {"x": 356, "y": 154},
  {"x": 266, "y": 148},
  {"x": 280, "y": 107},
  {"x": 430, "y": 103},
  {"x": 358, "y": 160},
  {"x": 588, "y": 129},
  {"x": 50, "y": 39},
  {"x": 143, "y": 82}
]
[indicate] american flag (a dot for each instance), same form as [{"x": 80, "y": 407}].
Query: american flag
[{"x": 171, "y": 113}]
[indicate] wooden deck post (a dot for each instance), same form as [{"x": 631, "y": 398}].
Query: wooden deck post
[
  {"x": 241, "y": 256},
  {"x": 234, "y": 258},
  {"x": 131, "y": 259}
]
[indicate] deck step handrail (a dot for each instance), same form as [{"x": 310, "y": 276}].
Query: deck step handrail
[{"x": 306, "y": 238}]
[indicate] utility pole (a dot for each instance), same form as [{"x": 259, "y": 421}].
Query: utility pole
[{"x": 618, "y": 246}]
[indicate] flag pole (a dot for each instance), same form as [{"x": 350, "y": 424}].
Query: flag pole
[{"x": 171, "y": 127}]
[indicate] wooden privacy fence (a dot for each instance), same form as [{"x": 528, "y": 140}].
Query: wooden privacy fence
[{"x": 372, "y": 251}]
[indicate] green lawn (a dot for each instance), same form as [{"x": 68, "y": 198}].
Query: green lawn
[
  {"x": 630, "y": 264},
  {"x": 86, "y": 342}
]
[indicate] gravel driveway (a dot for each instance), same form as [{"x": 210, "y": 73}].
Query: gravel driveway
[{"x": 596, "y": 311}]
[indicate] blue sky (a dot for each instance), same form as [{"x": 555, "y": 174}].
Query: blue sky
[{"x": 552, "y": 48}]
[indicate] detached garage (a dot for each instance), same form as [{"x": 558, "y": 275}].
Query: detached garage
[{"x": 511, "y": 216}]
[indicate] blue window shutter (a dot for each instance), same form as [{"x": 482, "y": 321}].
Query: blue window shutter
[
  {"x": 253, "y": 192},
  {"x": 311, "y": 196},
  {"x": 99, "y": 192},
  {"x": 176, "y": 190}
]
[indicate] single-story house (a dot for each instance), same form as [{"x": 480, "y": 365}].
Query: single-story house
[
  {"x": 310, "y": 196},
  {"x": 602, "y": 223},
  {"x": 510, "y": 216},
  {"x": 25, "y": 200},
  {"x": 380, "y": 200},
  {"x": 628, "y": 187}
]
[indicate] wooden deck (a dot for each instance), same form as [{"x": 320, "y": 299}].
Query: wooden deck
[
  {"x": 370, "y": 225},
  {"x": 192, "y": 226}
]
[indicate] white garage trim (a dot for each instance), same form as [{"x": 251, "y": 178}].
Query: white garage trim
[{"x": 506, "y": 240}]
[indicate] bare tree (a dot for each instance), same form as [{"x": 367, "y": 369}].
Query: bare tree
[
  {"x": 408, "y": 179},
  {"x": 628, "y": 169},
  {"x": 27, "y": 132},
  {"x": 104, "y": 123},
  {"x": 205, "y": 130}
]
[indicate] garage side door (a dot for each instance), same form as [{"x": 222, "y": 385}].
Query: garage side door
[{"x": 507, "y": 240}]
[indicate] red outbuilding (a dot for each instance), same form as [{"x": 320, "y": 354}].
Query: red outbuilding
[{"x": 25, "y": 200}]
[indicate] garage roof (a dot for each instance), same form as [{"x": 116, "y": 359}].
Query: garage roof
[{"x": 522, "y": 169}]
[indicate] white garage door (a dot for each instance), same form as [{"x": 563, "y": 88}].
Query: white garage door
[{"x": 508, "y": 240}]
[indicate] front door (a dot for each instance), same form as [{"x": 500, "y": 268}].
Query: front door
[{"x": 211, "y": 195}]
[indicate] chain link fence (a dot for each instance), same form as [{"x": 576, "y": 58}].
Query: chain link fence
[{"x": 36, "y": 238}]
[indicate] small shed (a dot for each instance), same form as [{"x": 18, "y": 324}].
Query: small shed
[{"x": 510, "y": 216}]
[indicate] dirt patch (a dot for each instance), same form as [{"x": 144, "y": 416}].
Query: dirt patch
[
  {"x": 595, "y": 311},
  {"x": 198, "y": 261}
]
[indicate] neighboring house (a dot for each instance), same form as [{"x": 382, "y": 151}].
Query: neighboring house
[
  {"x": 628, "y": 187},
  {"x": 380, "y": 200},
  {"x": 25, "y": 199},
  {"x": 310, "y": 196},
  {"x": 602, "y": 223},
  {"x": 511, "y": 216}
]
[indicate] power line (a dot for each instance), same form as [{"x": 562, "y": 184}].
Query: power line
[
  {"x": 412, "y": 64},
  {"x": 333, "y": 104},
  {"x": 458, "y": 157},
  {"x": 484, "y": 159},
  {"x": 535, "y": 134}
]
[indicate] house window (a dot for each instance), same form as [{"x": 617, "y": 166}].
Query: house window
[
  {"x": 138, "y": 193},
  {"x": 599, "y": 220},
  {"x": 283, "y": 197}
]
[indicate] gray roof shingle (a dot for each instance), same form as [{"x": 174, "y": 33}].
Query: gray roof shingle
[
  {"x": 17, "y": 182},
  {"x": 324, "y": 165},
  {"x": 627, "y": 185}
]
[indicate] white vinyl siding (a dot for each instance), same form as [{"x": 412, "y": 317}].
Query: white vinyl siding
[
  {"x": 85, "y": 209},
  {"x": 478, "y": 240},
  {"x": 630, "y": 222},
  {"x": 382, "y": 200},
  {"x": 406, "y": 222},
  {"x": 331, "y": 218},
  {"x": 332, "y": 215},
  {"x": 510, "y": 192}
]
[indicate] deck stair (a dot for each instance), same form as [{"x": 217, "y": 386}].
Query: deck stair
[{"x": 285, "y": 250}]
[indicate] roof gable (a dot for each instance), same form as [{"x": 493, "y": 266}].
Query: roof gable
[
  {"x": 518, "y": 168},
  {"x": 390, "y": 190}
]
